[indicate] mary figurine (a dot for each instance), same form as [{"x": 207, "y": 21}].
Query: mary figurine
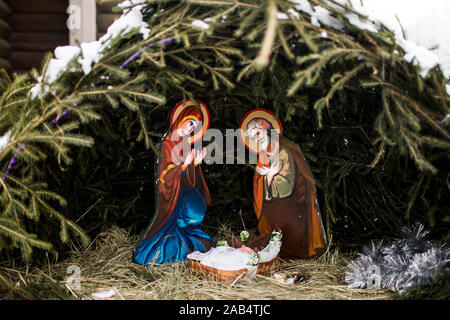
[{"x": 182, "y": 193}]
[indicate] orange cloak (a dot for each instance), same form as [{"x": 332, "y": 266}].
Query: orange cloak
[{"x": 297, "y": 216}]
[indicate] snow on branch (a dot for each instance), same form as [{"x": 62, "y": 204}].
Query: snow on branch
[
  {"x": 414, "y": 53},
  {"x": 90, "y": 53}
]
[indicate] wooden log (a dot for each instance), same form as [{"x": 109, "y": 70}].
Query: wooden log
[
  {"x": 104, "y": 20},
  {"x": 5, "y": 10},
  {"x": 5, "y": 49},
  {"x": 38, "y": 22},
  {"x": 5, "y": 29},
  {"x": 39, "y": 6},
  {"x": 5, "y": 64},
  {"x": 38, "y": 41},
  {"x": 27, "y": 60},
  {"x": 107, "y": 6}
]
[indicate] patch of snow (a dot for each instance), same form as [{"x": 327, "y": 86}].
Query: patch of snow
[
  {"x": 325, "y": 17},
  {"x": 363, "y": 25},
  {"x": 282, "y": 16},
  {"x": 315, "y": 21},
  {"x": 389, "y": 13},
  {"x": 319, "y": 15},
  {"x": 125, "y": 5},
  {"x": 447, "y": 116},
  {"x": 200, "y": 24},
  {"x": 4, "y": 140},
  {"x": 128, "y": 22},
  {"x": 420, "y": 56},
  {"x": 91, "y": 52},
  {"x": 63, "y": 56},
  {"x": 36, "y": 90},
  {"x": 376, "y": 16},
  {"x": 303, "y": 5},
  {"x": 129, "y": 3},
  {"x": 104, "y": 294},
  {"x": 294, "y": 13}
]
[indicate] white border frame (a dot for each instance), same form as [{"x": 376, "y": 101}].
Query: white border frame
[{"x": 82, "y": 22}]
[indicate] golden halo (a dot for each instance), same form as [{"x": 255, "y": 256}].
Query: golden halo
[
  {"x": 183, "y": 104},
  {"x": 257, "y": 113}
]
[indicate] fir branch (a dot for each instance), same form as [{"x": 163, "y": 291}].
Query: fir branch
[
  {"x": 8, "y": 228},
  {"x": 325, "y": 101},
  {"x": 132, "y": 105},
  {"x": 420, "y": 109},
  {"x": 73, "y": 139},
  {"x": 149, "y": 97},
  {"x": 262, "y": 60},
  {"x": 300, "y": 26},
  {"x": 82, "y": 234},
  {"x": 115, "y": 71},
  {"x": 222, "y": 3}
]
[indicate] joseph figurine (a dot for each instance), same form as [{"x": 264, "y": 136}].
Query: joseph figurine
[{"x": 284, "y": 190}]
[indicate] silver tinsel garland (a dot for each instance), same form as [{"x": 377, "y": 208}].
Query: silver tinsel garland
[{"x": 408, "y": 261}]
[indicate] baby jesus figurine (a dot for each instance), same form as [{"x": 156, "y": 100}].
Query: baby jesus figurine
[
  {"x": 229, "y": 258},
  {"x": 246, "y": 249}
]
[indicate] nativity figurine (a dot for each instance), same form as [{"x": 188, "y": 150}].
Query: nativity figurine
[
  {"x": 182, "y": 192},
  {"x": 283, "y": 187}
]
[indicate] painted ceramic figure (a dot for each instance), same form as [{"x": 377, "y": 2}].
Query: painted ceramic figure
[
  {"x": 283, "y": 187},
  {"x": 182, "y": 193}
]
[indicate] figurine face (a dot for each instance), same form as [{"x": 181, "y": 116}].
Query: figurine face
[
  {"x": 259, "y": 135},
  {"x": 188, "y": 127}
]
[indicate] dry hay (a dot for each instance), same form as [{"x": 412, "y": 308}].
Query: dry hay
[{"x": 107, "y": 265}]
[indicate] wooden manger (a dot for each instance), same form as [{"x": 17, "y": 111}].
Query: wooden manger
[{"x": 196, "y": 267}]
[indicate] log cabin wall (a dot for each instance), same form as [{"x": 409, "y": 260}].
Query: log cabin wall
[
  {"x": 105, "y": 15},
  {"x": 31, "y": 28},
  {"x": 36, "y": 27},
  {"x": 5, "y": 32}
]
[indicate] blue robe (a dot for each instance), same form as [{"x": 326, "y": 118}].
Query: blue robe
[{"x": 181, "y": 234}]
